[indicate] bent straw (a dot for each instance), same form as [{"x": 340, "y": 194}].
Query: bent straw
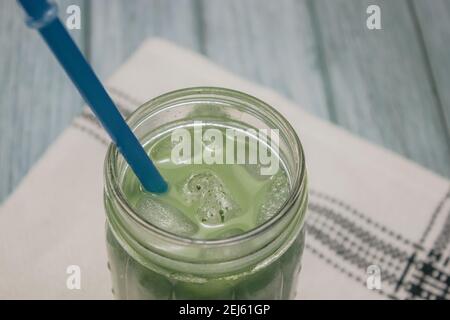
[{"x": 42, "y": 15}]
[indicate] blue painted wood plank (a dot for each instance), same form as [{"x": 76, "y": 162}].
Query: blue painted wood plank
[
  {"x": 379, "y": 85},
  {"x": 36, "y": 98},
  {"x": 119, "y": 27},
  {"x": 270, "y": 42},
  {"x": 434, "y": 22}
]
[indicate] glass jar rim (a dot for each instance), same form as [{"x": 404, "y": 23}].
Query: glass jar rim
[{"x": 112, "y": 180}]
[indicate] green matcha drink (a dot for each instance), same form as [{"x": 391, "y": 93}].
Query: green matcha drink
[{"x": 226, "y": 229}]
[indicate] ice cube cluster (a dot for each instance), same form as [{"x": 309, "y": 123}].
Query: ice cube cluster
[{"x": 215, "y": 203}]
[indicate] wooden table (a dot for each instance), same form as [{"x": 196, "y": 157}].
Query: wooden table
[{"x": 391, "y": 86}]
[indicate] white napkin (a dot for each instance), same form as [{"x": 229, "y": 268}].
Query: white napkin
[{"x": 368, "y": 206}]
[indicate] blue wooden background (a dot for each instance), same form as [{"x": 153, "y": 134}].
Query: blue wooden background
[{"x": 391, "y": 86}]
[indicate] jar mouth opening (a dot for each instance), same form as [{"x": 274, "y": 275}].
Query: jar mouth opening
[{"x": 298, "y": 184}]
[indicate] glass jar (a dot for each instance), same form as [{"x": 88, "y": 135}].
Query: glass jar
[{"x": 147, "y": 262}]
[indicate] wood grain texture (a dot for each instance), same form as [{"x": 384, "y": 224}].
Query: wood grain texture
[
  {"x": 118, "y": 27},
  {"x": 264, "y": 43},
  {"x": 271, "y": 43},
  {"x": 434, "y": 23},
  {"x": 379, "y": 84},
  {"x": 36, "y": 98}
]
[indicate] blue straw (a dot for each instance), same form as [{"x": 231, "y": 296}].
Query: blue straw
[{"x": 42, "y": 15}]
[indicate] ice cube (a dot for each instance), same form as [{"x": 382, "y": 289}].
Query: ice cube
[
  {"x": 198, "y": 185},
  {"x": 215, "y": 203},
  {"x": 277, "y": 194},
  {"x": 217, "y": 207},
  {"x": 165, "y": 216}
]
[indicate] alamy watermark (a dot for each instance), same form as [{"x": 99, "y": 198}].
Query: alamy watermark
[
  {"x": 229, "y": 146},
  {"x": 373, "y": 21},
  {"x": 73, "y": 20},
  {"x": 373, "y": 281},
  {"x": 73, "y": 281}
]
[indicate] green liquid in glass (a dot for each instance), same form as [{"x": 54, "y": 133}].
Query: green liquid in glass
[{"x": 206, "y": 202}]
